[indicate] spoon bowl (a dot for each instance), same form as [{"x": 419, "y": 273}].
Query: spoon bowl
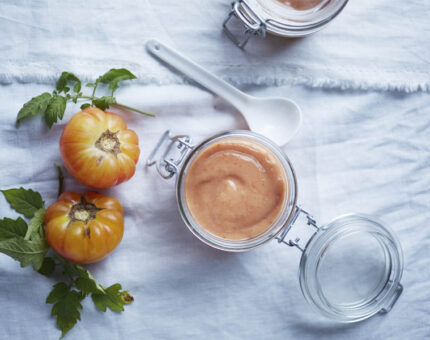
[
  {"x": 277, "y": 118},
  {"x": 274, "y": 117}
]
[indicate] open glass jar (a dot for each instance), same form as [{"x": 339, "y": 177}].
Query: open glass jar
[
  {"x": 350, "y": 268},
  {"x": 285, "y": 18}
]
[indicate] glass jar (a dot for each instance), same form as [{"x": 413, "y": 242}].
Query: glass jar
[
  {"x": 350, "y": 268},
  {"x": 274, "y": 16}
]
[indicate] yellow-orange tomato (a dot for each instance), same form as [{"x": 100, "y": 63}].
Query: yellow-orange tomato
[
  {"x": 84, "y": 228},
  {"x": 98, "y": 149}
]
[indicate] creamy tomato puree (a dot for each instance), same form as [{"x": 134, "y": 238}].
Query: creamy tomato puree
[
  {"x": 300, "y": 5},
  {"x": 235, "y": 188}
]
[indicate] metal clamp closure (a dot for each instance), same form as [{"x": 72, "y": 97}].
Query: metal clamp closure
[
  {"x": 173, "y": 150},
  {"x": 254, "y": 25},
  {"x": 310, "y": 221},
  {"x": 393, "y": 300}
]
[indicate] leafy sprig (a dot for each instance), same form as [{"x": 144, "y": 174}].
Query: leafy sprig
[
  {"x": 53, "y": 105},
  {"x": 27, "y": 244},
  {"x": 67, "y": 297},
  {"x": 19, "y": 241}
]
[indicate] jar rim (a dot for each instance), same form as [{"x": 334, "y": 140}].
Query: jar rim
[
  {"x": 271, "y": 232},
  {"x": 381, "y": 298},
  {"x": 292, "y": 26}
]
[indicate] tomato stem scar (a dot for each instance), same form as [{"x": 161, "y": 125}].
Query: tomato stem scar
[
  {"x": 109, "y": 142},
  {"x": 83, "y": 211}
]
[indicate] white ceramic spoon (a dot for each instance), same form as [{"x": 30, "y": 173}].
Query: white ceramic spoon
[{"x": 275, "y": 117}]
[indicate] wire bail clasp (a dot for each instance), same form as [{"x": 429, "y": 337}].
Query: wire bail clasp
[
  {"x": 173, "y": 150},
  {"x": 254, "y": 25},
  {"x": 309, "y": 221}
]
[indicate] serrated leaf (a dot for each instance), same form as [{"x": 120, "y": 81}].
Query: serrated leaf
[
  {"x": 86, "y": 282},
  {"x": 77, "y": 87},
  {"x": 104, "y": 102},
  {"x": 84, "y": 106},
  {"x": 10, "y": 228},
  {"x": 24, "y": 201},
  {"x": 24, "y": 251},
  {"x": 35, "y": 228},
  {"x": 33, "y": 107},
  {"x": 48, "y": 266},
  {"x": 67, "y": 303},
  {"x": 88, "y": 286},
  {"x": 112, "y": 299},
  {"x": 69, "y": 268},
  {"x": 59, "y": 290},
  {"x": 66, "y": 78},
  {"x": 57, "y": 293},
  {"x": 55, "y": 110},
  {"x": 114, "y": 76}
]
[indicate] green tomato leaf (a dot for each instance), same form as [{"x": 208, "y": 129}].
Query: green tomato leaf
[
  {"x": 57, "y": 293},
  {"x": 35, "y": 228},
  {"x": 114, "y": 76},
  {"x": 24, "y": 201},
  {"x": 77, "y": 87},
  {"x": 84, "y": 106},
  {"x": 55, "y": 110},
  {"x": 26, "y": 252},
  {"x": 112, "y": 299},
  {"x": 86, "y": 286},
  {"x": 12, "y": 228},
  {"x": 89, "y": 285},
  {"x": 104, "y": 102},
  {"x": 86, "y": 282},
  {"x": 67, "y": 303},
  {"x": 48, "y": 266},
  {"x": 33, "y": 107},
  {"x": 66, "y": 78},
  {"x": 69, "y": 268}
]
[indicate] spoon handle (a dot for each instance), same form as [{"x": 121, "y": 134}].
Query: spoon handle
[{"x": 197, "y": 73}]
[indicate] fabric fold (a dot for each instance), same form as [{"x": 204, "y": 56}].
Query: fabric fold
[{"x": 370, "y": 46}]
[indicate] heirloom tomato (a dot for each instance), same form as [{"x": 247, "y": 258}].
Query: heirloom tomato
[
  {"x": 98, "y": 149},
  {"x": 84, "y": 228}
]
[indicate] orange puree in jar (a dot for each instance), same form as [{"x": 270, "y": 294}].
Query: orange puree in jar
[
  {"x": 301, "y": 5},
  {"x": 235, "y": 188}
]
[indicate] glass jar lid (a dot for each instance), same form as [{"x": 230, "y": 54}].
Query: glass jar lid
[{"x": 351, "y": 268}]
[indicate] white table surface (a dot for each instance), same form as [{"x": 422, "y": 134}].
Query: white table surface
[{"x": 365, "y": 151}]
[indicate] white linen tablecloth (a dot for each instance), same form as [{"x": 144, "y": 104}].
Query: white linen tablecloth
[{"x": 365, "y": 151}]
